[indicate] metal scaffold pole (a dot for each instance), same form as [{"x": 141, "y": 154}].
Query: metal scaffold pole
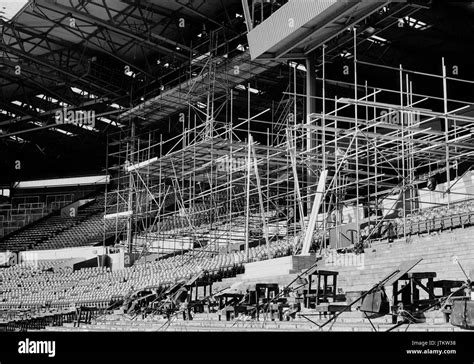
[
  {"x": 131, "y": 189},
  {"x": 356, "y": 120},
  {"x": 446, "y": 131},
  {"x": 247, "y": 195},
  {"x": 260, "y": 198}
]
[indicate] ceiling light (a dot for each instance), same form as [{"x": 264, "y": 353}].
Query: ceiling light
[
  {"x": 415, "y": 23},
  {"x": 111, "y": 122},
  {"x": 7, "y": 113},
  {"x": 52, "y": 100},
  {"x": 377, "y": 39},
  {"x": 250, "y": 89},
  {"x": 17, "y": 139},
  {"x": 298, "y": 66},
  {"x": 130, "y": 73},
  {"x": 83, "y": 93},
  {"x": 116, "y": 106},
  {"x": 63, "y": 132}
]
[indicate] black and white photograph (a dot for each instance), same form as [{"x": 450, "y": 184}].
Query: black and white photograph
[{"x": 186, "y": 179}]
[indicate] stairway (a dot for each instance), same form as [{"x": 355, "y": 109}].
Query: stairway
[
  {"x": 437, "y": 252},
  {"x": 348, "y": 321}
]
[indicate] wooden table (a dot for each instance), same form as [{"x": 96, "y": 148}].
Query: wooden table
[
  {"x": 324, "y": 293},
  {"x": 411, "y": 291},
  {"x": 447, "y": 286}
]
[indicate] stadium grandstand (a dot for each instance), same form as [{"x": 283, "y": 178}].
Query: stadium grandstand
[{"x": 237, "y": 165}]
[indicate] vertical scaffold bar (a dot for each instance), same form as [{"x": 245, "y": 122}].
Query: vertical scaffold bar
[
  {"x": 247, "y": 215},
  {"x": 292, "y": 153},
  {"x": 402, "y": 133},
  {"x": 260, "y": 198},
  {"x": 130, "y": 189},
  {"x": 356, "y": 137},
  {"x": 446, "y": 131}
]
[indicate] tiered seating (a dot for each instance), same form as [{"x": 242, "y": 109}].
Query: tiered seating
[
  {"x": 57, "y": 232},
  {"x": 26, "y": 210},
  {"x": 14, "y": 217},
  {"x": 89, "y": 231},
  {"x": 32, "y": 286},
  {"x": 431, "y": 220},
  {"x": 38, "y": 232},
  {"x": 39, "y": 319},
  {"x": 359, "y": 273},
  {"x": 26, "y": 286}
]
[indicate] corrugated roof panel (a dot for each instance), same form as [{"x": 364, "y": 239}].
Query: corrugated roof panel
[{"x": 284, "y": 23}]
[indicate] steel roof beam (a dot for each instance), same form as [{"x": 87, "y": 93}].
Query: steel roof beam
[
  {"x": 88, "y": 18},
  {"x": 85, "y": 39},
  {"x": 201, "y": 15},
  {"x": 38, "y": 60},
  {"x": 51, "y": 63},
  {"x": 51, "y": 112},
  {"x": 35, "y": 86}
]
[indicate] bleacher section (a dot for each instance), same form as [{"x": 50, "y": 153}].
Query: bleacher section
[
  {"x": 55, "y": 231},
  {"x": 438, "y": 252},
  {"x": 13, "y": 217},
  {"x": 26, "y": 210},
  {"x": 55, "y": 286},
  {"x": 97, "y": 286},
  {"x": 436, "y": 219}
]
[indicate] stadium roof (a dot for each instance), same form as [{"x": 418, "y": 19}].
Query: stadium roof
[{"x": 116, "y": 56}]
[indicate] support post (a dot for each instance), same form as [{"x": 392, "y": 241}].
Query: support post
[
  {"x": 260, "y": 199},
  {"x": 311, "y": 141},
  {"x": 247, "y": 214},
  {"x": 296, "y": 182},
  {"x": 446, "y": 131},
  {"x": 131, "y": 150},
  {"x": 356, "y": 119},
  {"x": 308, "y": 237}
]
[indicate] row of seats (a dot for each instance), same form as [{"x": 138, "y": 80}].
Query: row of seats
[
  {"x": 57, "y": 232},
  {"x": 31, "y": 286},
  {"x": 436, "y": 219},
  {"x": 14, "y": 217},
  {"x": 203, "y": 215},
  {"x": 428, "y": 220}
]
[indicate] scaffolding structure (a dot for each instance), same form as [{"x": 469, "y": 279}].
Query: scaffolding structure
[{"x": 225, "y": 185}]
